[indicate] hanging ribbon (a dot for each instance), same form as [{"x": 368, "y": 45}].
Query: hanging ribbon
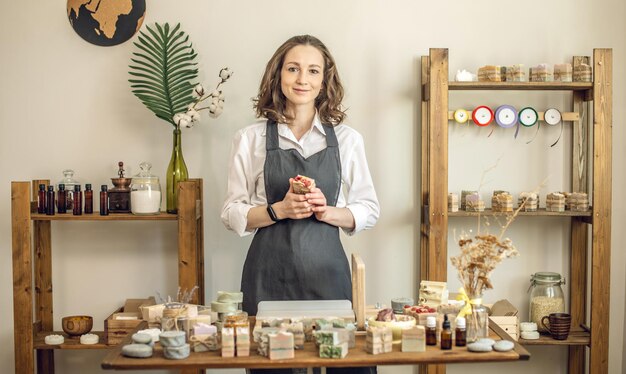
[
  {"x": 482, "y": 116},
  {"x": 461, "y": 116},
  {"x": 553, "y": 117},
  {"x": 467, "y": 308},
  {"x": 528, "y": 117}
]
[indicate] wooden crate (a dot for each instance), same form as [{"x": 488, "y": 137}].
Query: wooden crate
[
  {"x": 115, "y": 330},
  {"x": 510, "y": 324}
]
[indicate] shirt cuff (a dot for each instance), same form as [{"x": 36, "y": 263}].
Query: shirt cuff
[
  {"x": 359, "y": 213},
  {"x": 239, "y": 220}
]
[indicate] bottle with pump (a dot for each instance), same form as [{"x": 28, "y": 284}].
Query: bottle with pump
[
  {"x": 431, "y": 331},
  {"x": 50, "y": 201},
  {"x": 78, "y": 201},
  {"x": 446, "y": 333},
  {"x": 460, "y": 335},
  {"x": 88, "y": 199},
  {"x": 41, "y": 199},
  {"x": 104, "y": 200},
  {"x": 61, "y": 199}
]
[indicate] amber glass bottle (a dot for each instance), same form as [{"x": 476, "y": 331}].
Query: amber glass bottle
[
  {"x": 78, "y": 201},
  {"x": 460, "y": 335},
  {"x": 88, "y": 199},
  {"x": 431, "y": 331},
  {"x": 446, "y": 333},
  {"x": 50, "y": 201},
  {"x": 104, "y": 200},
  {"x": 41, "y": 199},
  {"x": 61, "y": 199}
]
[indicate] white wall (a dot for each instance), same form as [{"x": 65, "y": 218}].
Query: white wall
[{"x": 67, "y": 103}]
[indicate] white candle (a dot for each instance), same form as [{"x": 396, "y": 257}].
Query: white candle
[{"x": 145, "y": 202}]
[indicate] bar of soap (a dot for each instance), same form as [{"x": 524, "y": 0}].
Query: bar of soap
[
  {"x": 54, "y": 339},
  {"x": 176, "y": 353},
  {"x": 488, "y": 341},
  {"x": 528, "y": 326},
  {"x": 530, "y": 335},
  {"x": 137, "y": 350},
  {"x": 281, "y": 346},
  {"x": 334, "y": 351},
  {"x": 154, "y": 333},
  {"x": 503, "y": 346},
  {"x": 220, "y": 307},
  {"x": 229, "y": 297},
  {"x": 172, "y": 338},
  {"x": 479, "y": 347},
  {"x": 139, "y": 338},
  {"x": 89, "y": 339}
]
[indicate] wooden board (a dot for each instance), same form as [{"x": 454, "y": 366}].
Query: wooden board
[
  {"x": 536, "y": 86},
  {"x": 70, "y": 342},
  {"x": 358, "y": 290},
  {"x": 309, "y": 357},
  {"x": 577, "y": 337},
  {"x": 540, "y": 212},
  {"x": 163, "y": 216}
]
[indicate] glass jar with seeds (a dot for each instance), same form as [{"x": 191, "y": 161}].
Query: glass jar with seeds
[{"x": 546, "y": 296}]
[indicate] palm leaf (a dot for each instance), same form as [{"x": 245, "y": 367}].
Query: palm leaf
[{"x": 164, "y": 70}]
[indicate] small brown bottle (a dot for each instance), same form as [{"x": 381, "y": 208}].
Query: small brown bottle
[
  {"x": 460, "y": 334},
  {"x": 446, "y": 333},
  {"x": 88, "y": 199},
  {"x": 78, "y": 201},
  {"x": 431, "y": 331},
  {"x": 104, "y": 201},
  {"x": 50, "y": 201},
  {"x": 41, "y": 199},
  {"x": 61, "y": 199}
]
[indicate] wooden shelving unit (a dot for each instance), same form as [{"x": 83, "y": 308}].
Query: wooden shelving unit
[
  {"x": 434, "y": 193},
  {"x": 32, "y": 265}
]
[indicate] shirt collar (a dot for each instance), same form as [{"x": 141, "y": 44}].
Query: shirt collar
[{"x": 317, "y": 125}]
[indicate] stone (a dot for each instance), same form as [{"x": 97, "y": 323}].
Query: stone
[
  {"x": 137, "y": 350},
  {"x": 503, "y": 346},
  {"x": 489, "y": 341},
  {"x": 479, "y": 347},
  {"x": 139, "y": 338}
]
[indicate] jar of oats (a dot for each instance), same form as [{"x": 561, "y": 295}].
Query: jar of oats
[{"x": 546, "y": 296}]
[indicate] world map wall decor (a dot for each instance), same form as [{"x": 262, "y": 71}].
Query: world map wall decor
[{"x": 106, "y": 22}]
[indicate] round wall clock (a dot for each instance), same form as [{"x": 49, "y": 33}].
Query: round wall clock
[{"x": 106, "y": 22}]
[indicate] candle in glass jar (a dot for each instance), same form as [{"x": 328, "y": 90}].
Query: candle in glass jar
[{"x": 145, "y": 202}]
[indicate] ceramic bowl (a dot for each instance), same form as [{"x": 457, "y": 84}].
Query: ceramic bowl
[
  {"x": 77, "y": 325},
  {"x": 402, "y": 322}
]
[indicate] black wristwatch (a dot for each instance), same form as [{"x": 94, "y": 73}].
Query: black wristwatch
[{"x": 272, "y": 214}]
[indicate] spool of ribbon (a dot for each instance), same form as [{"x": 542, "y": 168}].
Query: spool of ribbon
[
  {"x": 506, "y": 116},
  {"x": 461, "y": 116},
  {"x": 553, "y": 117},
  {"x": 467, "y": 308},
  {"x": 528, "y": 117},
  {"x": 482, "y": 115}
]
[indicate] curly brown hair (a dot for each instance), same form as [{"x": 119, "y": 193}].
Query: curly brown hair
[{"x": 271, "y": 103}]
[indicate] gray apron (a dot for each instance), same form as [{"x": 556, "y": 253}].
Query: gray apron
[{"x": 298, "y": 259}]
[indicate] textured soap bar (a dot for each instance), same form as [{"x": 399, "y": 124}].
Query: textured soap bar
[
  {"x": 414, "y": 339},
  {"x": 334, "y": 351},
  {"x": 154, "y": 333},
  {"x": 172, "y": 338},
  {"x": 378, "y": 340},
  {"x": 176, "y": 353},
  {"x": 327, "y": 337},
  {"x": 219, "y": 307},
  {"x": 479, "y": 347},
  {"x": 228, "y": 342},
  {"x": 281, "y": 346},
  {"x": 54, "y": 339},
  {"x": 137, "y": 350},
  {"x": 229, "y": 297},
  {"x": 140, "y": 338},
  {"x": 89, "y": 339},
  {"x": 503, "y": 346}
]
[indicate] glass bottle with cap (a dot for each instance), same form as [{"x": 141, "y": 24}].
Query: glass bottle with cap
[
  {"x": 145, "y": 192},
  {"x": 431, "y": 331},
  {"x": 61, "y": 199},
  {"x": 88, "y": 198},
  {"x": 69, "y": 182},
  {"x": 546, "y": 296}
]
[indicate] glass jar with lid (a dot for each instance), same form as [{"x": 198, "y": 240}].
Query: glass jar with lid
[
  {"x": 546, "y": 296},
  {"x": 69, "y": 182},
  {"x": 145, "y": 192}
]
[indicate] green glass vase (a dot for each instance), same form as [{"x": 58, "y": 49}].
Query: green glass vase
[{"x": 176, "y": 172}]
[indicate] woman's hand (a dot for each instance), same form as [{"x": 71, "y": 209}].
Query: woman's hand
[
  {"x": 318, "y": 201},
  {"x": 293, "y": 205}
]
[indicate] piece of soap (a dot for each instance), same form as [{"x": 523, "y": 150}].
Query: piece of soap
[
  {"x": 139, "y": 338},
  {"x": 488, "y": 341},
  {"x": 503, "y": 346},
  {"x": 176, "y": 353},
  {"x": 334, "y": 351},
  {"x": 137, "y": 350},
  {"x": 229, "y": 297},
  {"x": 154, "y": 333},
  {"x": 414, "y": 339},
  {"x": 172, "y": 338},
  {"x": 281, "y": 346},
  {"x": 54, "y": 339},
  {"x": 89, "y": 339},
  {"x": 528, "y": 326},
  {"x": 220, "y": 307},
  {"x": 479, "y": 347},
  {"x": 530, "y": 335}
]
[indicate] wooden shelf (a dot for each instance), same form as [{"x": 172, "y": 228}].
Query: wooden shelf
[
  {"x": 521, "y": 86},
  {"x": 70, "y": 342},
  {"x": 309, "y": 357},
  {"x": 162, "y": 216},
  {"x": 540, "y": 212},
  {"x": 577, "y": 336}
]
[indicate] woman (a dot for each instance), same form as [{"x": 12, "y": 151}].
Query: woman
[{"x": 296, "y": 253}]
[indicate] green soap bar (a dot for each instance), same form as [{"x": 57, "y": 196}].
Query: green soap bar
[{"x": 137, "y": 350}]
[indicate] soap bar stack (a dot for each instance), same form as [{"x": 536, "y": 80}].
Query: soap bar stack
[
  {"x": 260, "y": 336},
  {"x": 490, "y": 73},
  {"x": 378, "y": 340},
  {"x": 532, "y": 201},
  {"x": 555, "y": 202},
  {"x": 242, "y": 338},
  {"x": 332, "y": 342},
  {"x": 563, "y": 72},
  {"x": 464, "y": 194},
  {"x": 473, "y": 203},
  {"x": 297, "y": 329},
  {"x": 453, "y": 202},
  {"x": 576, "y": 201},
  {"x": 582, "y": 73},
  {"x": 345, "y": 330},
  {"x": 515, "y": 73},
  {"x": 281, "y": 346},
  {"x": 174, "y": 346},
  {"x": 204, "y": 338},
  {"x": 541, "y": 73},
  {"x": 228, "y": 342},
  {"x": 414, "y": 339},
  {"x": 227, "y": 302},
  {"x": 502, "y": 201}
]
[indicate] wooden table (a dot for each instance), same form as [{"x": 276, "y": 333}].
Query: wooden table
[{"x": 309, "y": 358}]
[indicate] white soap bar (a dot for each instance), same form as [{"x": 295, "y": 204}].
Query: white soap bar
[
  {"x": 89, "y": 339},
  {"x": 154, "y": 333},
  {"x": 54, "y": 339},
  {"x": 414, "y": 339},
  {"x": 172, "y": 338},
  {"x": 281, "y": 346},
  {"x": 229, "y": 297},
  {"x": 219, "y": 307},
  {"x": 528, "y": 326},
  {"x": 177, "y": 353}
]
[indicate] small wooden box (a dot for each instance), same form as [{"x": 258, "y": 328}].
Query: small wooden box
[
  {"x": 115, "y": 330},
  {"x": 510, "y": 324}
]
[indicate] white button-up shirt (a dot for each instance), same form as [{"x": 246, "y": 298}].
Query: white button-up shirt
[{"x": 246, "y": 182}]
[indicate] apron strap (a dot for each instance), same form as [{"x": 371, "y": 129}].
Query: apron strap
[
  {"x": 271, "y": 135},
  {"x": 331, "y": 138}
]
